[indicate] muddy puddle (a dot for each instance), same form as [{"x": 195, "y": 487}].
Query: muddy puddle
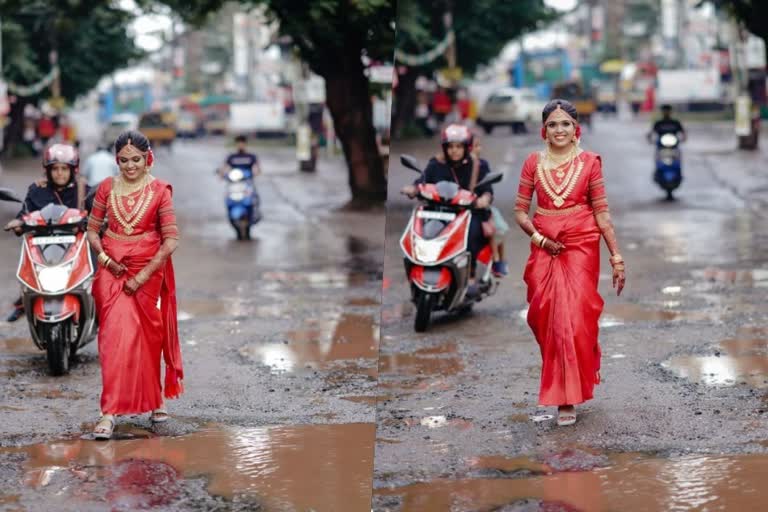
[
  {"x": 232, "y": 307},
  {"x": 312, "y": 467},
  {"x": 615, "y": 315},
  {"x": 743, "y": 359},
  {"x": 426, "y": 369},
  {"x": 757, "y": 277},
  {"x": 620, "y": 482},
  {"x": 322, "y": 344},
  {"x": 18, "y": 347}
]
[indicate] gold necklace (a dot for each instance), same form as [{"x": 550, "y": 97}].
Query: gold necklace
[
  {"x": 553, "y": 161},
  {"x": 125, "y": 190},
  {"x": 558, "y": 194},
  {"x": 129, "y": 220}
]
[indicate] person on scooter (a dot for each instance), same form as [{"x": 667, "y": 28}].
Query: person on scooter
[
  {"x": 60, "y": 186},
  {"x": 667, "y": 124},
  {"x": 455, "y": 164},
  {"x": 241, "y": 158}
]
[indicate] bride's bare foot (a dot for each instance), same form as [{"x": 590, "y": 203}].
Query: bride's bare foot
[{"x": 566, "y": 415}]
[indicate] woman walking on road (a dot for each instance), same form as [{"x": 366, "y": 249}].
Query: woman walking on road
[
  {"x": 563, "y": 269},
  {"x": 134, "y": 287}
]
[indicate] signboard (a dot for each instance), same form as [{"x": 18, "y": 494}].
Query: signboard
[
  {"x": 743, "y": 108},
  {"x": 688, "y": 85}
]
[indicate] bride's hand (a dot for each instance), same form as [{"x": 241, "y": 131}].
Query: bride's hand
[{"x": 553, "y": 247}]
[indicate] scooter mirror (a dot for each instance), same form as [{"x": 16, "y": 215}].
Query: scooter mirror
[
  {"x": 491, "y": 178},
  {"x": 7, "y": 194},
  {"x": 410, "y": 162}
]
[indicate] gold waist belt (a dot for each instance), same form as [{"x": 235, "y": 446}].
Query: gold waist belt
[
  {"x": 117, "y": 236},
  {"x": 564, "y": 211}
]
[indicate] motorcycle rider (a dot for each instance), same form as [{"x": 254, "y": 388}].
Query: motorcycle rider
[
  {"x": 60, "y": 186},
  {"x": 455, "y": 164},
  {"x": 241, "y": 158},
  {"x": 667, "y": 124}
]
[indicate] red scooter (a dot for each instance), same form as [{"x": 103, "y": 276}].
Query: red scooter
[
  {"x": 55, "y": 271},
  {"x": 437, "y": 258}
]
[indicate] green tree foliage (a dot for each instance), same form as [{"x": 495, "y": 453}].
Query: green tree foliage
[
  {"x": 332, "y": 36},
  {"x": 90, "y": 36},
  {"x": 482, "y": 28}
]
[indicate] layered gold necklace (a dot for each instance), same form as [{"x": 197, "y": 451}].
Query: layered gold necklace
[
  {"x": 128, "y": 219},
  {"x": 549, "y": 162}
]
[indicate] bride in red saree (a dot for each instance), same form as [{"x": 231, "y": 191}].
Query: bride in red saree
[
  {"x": 563, "y": 269},
  {"x": 134, "y": 288}
]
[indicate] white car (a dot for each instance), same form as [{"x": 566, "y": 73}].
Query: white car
[{"x": 510, "y": 107}]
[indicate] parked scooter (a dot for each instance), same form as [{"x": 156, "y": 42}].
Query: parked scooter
[
  {"x": 56, "y": 273},
  {"x": 243, "y": 202},
  {"x": 437, "y": 258},
  {"x": 668, "y": 174}
]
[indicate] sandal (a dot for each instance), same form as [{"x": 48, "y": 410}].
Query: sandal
[
  {"x": 104, "y": 428},
  {"x": 566, "y": 417},
  {"x": 159, "y": 415}
]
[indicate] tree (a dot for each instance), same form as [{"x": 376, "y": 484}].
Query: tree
[
  {"x": 332, "y": 37},
  {"x": 89, "y": 36},
  {"x": 482, "y": 28}
]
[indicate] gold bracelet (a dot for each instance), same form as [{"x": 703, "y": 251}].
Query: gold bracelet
[
  {"x": 616, "y": 258},
  {"x": 544, "y": 240},
  {"x": 536, "y": 238},
  {"x": 103, "y": 258}
]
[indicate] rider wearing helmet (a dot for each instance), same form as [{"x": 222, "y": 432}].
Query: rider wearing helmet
[
  {"x": 455, "y": 164},
  {"x": 61, "y": 163}
]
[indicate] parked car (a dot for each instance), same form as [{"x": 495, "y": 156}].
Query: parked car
[
  {"x": 117, "y": 125},
  {"x": 511, "y": 107}
]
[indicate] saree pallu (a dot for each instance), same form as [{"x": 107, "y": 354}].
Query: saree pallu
[
  {"x": 565, "y": 307},
  {"x": 137, "y": 332}
]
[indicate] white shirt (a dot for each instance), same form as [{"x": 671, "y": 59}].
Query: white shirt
[{"x": 99, "y": 166}]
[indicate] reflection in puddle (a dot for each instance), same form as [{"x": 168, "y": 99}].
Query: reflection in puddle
[
  {"x": 741, "y": 360},
  {"x": 363, "y": 301},
  {"x": 751, "y": 277},
  {"x": 615, "y": 315},
  {"x": 629, "y": 482},
  {"x": 328, "y": 279},
  {"x": 317, "y": 467},
  {"x": 231, "y": 307},
  {"x": 422, "y": 362},
  {"x": 346, "y": 337}
]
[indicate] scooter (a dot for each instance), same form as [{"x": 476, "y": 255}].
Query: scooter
[
  {"x": 56, "y": 274},
  {"x": 437, "y": 258},
  {"x": 668, "y": 174},
  {"x": 243, "y": 202}
]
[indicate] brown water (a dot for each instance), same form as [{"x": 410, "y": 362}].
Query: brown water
[
  {"x": 18, "y": 346},
  {"x": 626, "y": 482},
  {"x": 736, "y": 360},
  {"x": 320, "y": 345},
  {"x": 425, "y": 361},
  {"x": 311, "y": 467}
]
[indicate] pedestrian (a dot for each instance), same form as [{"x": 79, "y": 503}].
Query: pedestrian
[
  {"x": 99, "y": 166},
  {"x": 134, "y": 289},
  {"x": 46, "y": 129},
  {"x": 563, "y": 269}
]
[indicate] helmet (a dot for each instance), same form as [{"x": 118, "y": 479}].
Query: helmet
[
  {"x": 61, "y": 154},
  {"x": 456, "y": 133}
]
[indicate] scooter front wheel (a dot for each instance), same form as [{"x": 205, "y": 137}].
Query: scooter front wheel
[
  {"x": 58, "y": 346},
  {"x": 424, "y": 305}
]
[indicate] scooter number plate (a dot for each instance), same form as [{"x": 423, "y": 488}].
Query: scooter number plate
[
  {"x": 50, "y": 240},
  {"x": 447, "y": 216}
]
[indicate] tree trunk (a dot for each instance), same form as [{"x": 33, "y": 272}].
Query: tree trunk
[
  {"x": 14, "y": 132},
  {"x": 405, "y": 101},
  {"x": 349, "y": 102}
]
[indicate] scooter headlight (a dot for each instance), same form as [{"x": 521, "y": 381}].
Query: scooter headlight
[
  {"x": 236, "y": 175},
  {"x": 54, "y": 279},
  {"x": 428, "y": 251}
]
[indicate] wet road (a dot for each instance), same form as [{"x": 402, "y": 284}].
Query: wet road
[
  {"x": 679, "y": 422},
  {"x": 279, "y": 338}
]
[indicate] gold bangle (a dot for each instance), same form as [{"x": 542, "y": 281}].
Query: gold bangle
[
  {"x": 536, "y": 238},
  {"x": 616, "y": 258},
  {"x": 544, "y": 240}
]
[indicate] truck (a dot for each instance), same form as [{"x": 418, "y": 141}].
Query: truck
[{"x": 255, "y": 118}]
